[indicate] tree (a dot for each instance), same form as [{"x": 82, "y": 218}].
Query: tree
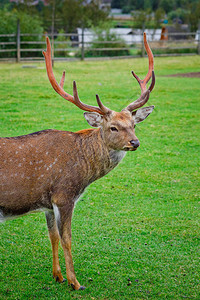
[
  {"x": 142, "y": 18},
  {"x": 80, "y": 13},
  {"x": 194, "y": 15},
  {"x": 168, "y": 5},
  {"x": 158, "y": 16}
]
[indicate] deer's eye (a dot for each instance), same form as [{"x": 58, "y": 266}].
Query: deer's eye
[{"x": 112, "y": 128}]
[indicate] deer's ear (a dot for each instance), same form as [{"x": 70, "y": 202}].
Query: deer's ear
[
  {"x": 94, "y": 119},
  {"x": 142, "y": 113}
]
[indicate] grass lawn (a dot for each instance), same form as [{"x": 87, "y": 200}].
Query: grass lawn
[{"x": 135, "y": 231}]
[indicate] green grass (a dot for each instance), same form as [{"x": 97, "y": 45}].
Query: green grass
[{"x": 141, "y": 221}]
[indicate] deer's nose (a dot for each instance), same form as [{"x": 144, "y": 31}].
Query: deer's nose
[{"x": 135, "y": 143}]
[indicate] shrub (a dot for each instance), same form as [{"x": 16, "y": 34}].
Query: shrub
[
  {"x": 28, "y": 25},
  {"x": 62, "y": 42},
  {"x": 106, "y": 39}
]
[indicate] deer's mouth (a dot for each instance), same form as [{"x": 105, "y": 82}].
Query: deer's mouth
[{"x": 129, "y": 148}]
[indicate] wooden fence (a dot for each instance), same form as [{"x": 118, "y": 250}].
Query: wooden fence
[{"x": 28, "y": 47}]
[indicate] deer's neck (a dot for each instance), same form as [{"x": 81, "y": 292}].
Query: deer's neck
[{"x": 99, "y": 159}]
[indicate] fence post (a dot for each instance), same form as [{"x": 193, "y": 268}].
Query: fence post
[
  {"x": 18, "y": 41},
  {"x": 198, "y": 37},
  {"x": 82, "y": 44},
  {"x": 143, "y": 30}
]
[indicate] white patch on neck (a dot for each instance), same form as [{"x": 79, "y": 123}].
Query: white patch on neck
[{"x": 116, "y": 156}]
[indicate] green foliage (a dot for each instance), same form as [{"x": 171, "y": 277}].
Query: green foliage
[
  {"x": 186, "y": 10},
  {"x": 28, "y": 25},
  {"x": 142, "y": 19},
  {"x": 179, "y": 13},
  {"x": 8, "y": 21},
  {"x": 167, "y": 5},
  {"x": 194, "y": 15},
  {"x": 158, "y": 17},
  {"x": 4, "y": 3},
  {"x": 62, "y": 42},
  {"x": 73, "y": 14},
  {"x": 138, "y": 223}
]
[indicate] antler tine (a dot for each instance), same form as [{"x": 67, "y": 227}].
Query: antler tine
[
  {"x": 50, "y": 74},
  {"x": 150, "y": 57},
  {"x": 101, "y": 110},
  {"x": 102, "y": 107},
  {"x": 143, "y": 82},
  {"x": 153, "y": 80},
  {"x": 59, "y": 87},
  {"x": 142, "y": 100},
  {"x": 144, "y": 92},
  {"x": 62, "y": 80}
]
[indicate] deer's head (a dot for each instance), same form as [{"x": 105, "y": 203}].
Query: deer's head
[{"x": 117, "y": 127}]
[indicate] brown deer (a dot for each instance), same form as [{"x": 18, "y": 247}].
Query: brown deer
[{"x": 50, "y": 169}]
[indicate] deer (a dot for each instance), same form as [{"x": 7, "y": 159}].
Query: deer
[{"x": 50, "y": 169}]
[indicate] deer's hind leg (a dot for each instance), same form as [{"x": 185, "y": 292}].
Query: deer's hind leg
[{"x": 54, "y": 238}]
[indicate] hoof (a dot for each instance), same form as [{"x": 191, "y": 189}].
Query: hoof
[
  {"x": 58, "y": 280},
  {"x": 80, "y": 289}
]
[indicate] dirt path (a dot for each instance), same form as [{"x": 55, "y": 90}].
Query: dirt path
[{"x": 190, "y": 75}]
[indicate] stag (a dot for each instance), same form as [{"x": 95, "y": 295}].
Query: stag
[{"x": 50, "y": 169}]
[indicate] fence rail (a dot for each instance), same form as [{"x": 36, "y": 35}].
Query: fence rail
[{"x": 23, "y": 47}]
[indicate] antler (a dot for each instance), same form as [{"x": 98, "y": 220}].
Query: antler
[
  {"x": 59, "y": 87},
  {"x": 144, "y": 92}
]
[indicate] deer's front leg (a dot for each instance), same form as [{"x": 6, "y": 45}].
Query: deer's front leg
[
  {"x": 63, "y": 216},
  {"x": 54, "y": 238}
]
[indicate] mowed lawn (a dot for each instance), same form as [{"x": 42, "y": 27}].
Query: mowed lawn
[{"x": 135, "y": 232}]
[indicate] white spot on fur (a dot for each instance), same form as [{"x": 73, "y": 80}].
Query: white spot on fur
[
  {"x": 56, "y": 212},
  {"x": 19, "y": 165},
  {"x": 55, "y": 161},
  {"x": 2, "y": 218}
]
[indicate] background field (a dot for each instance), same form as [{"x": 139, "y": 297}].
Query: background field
[{"x": 140, "y": 223}]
